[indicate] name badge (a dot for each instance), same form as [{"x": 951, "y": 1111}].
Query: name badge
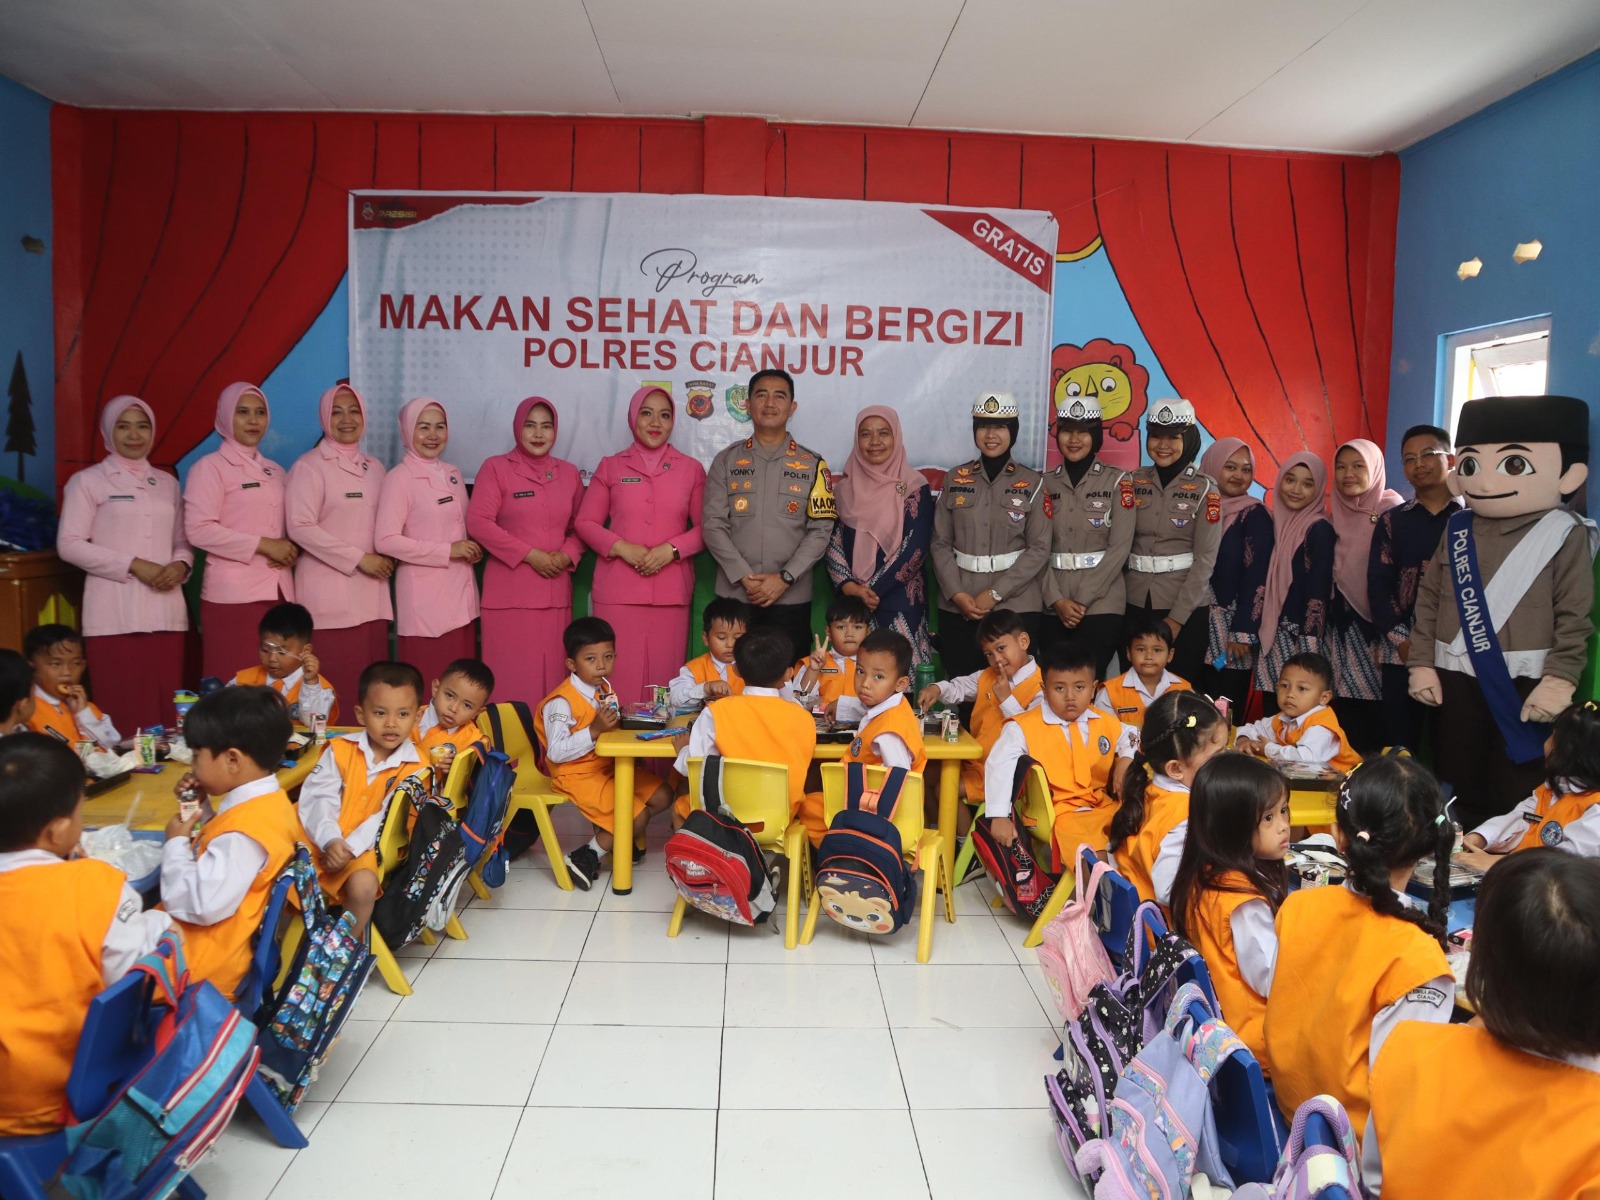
[
  {"x": 523, "y": 495},
  {"x": 445, "y": 500},
  {"x": 353, "y": 495},
  {"x": 245, "y": 487},
  {"x": 630, "y": 479},
  {"x": 119, "y": 497}
]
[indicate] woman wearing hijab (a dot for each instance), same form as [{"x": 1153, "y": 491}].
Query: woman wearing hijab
[
  {"x": 1177, "y": 529},
  {"x": 1359, "y": 499},
  {"x": 990, "y": 537},
  {"x": 422, "y": 523},
  {"x": 1239, "y": 580},
  {"x": 1090, "y": 535},
  {"x": 331, "y": 507},
  {"x": 1299, "y": 585},
  {"x": 122, "y": 523},
  {"x": 884, "y": 530},
  {"x": 523, "y": 505},
  {"x": 233, "y": 510},
  {"x": 641, "y": 516}
]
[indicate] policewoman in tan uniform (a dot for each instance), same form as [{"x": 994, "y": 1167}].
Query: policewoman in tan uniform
[
  {"x": 1177, "y": 529},
  {"x": 1090, "y": 535},
  {"x": 769, "y": 512},
  {"x": 989, "y": 537}
]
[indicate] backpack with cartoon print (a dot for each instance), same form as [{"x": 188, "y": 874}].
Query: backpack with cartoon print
[{"x": 862, "y": 880}]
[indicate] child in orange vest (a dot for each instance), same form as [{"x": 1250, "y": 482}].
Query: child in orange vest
[
  {"x": 1504, "y": 1106},
  {"x": 342, "y": 801},
  {"x": 76, "y": 928},
  {"x": 567, "y": 723},
  {"x": 215, "y": 885},
  {"x": 16, "y": 692},
  {"x": 1354, "y": 961},
  {"x": 1564, "y": 811},
  {"x": 289, "y": 667},
  {"x": 759, "y": 723},
  {"x": 1231, "y": 881},
  {"x": 449, "y": 724},
  {"x": 61, "y": 707},
  {"x": 1148, "y": 651},
  {"x": 1305, "y": 731},
  {"x": 713, "y": 674},
  {"x": 1080, "y": 746},
  {"x": 828, "y": 675},
  {"x": 1182, "y": 731}
]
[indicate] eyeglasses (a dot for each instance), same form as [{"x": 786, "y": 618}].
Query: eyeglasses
[{"x": 1412, "y": 460}]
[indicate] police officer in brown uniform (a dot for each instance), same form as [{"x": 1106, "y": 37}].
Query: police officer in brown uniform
[
  {"x": 769, "y": 512},
  {"x": 1177, "y": 529},
  {"x": 1090, "y": 535},
  {"x": 989, "y": 537}
]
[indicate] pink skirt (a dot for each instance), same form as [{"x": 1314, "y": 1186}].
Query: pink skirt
[
  {"x": 523, "y": 648},
  {"x": 432, "y": 655},
  {"x": 132, "y": 677},
  {"x": 230, "y": 637},
  {"x": 652, "y": 644},
  {"x": 345, "y": 653}
]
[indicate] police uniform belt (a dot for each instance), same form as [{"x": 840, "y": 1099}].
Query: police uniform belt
[
  {"x": 986, "y": 564},
  {"x": 1159, "y": 564},
  {"x": 1080, "y": 562}
]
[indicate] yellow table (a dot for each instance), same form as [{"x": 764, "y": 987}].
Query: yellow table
[{"x": 625, "y": 747}]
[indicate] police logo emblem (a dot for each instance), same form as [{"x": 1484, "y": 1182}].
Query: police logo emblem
[
  {"x": 741, "y": 504},
  {"x": 1164, "y": 416},
  {"x": 1077, "y": 412},
  {"x": 1551, "y": 833},
  {"x": 700, "y": 399},
  {"x": 991, "y": 404}
]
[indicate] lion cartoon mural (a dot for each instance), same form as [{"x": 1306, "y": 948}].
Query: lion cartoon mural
[{"x": 1109, "y": 372}]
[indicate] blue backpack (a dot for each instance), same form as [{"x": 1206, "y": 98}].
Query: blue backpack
[
  {"x": 160, "y": 1124},
  {"x": 483, "y": 824},
  {"x": 862, "y": 880}
]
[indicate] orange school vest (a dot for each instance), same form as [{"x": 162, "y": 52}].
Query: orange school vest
[
  {"x": 988, "y": 721},
  {"x": 464, "y": 738},
  {"x": 47, "y": 718},
  {"x": 1078, "y": 769},
  {"x": 1344, "y": 760},
  {"x": 1210, "y": 928},
  {"x": 1128, "y": 702},
  {"x": 358, "y": 799},
  {"x": 1164, "y": 811},
  {"x": 1340, "y": 964},
  {"x": 221, "y": 952},
  {"x": 52, "y": 970},
  {"x": 583, "y": 779},
  {"x": 704, "y": 670},
  {"x": 257, "y": 677},
  {"x": 768, "y": 729},
  {"x": 1457, "y": 1112},
  {"x": 834, "y": 681},
  {"x": 901, "y": 719},
  {"x": 1553, "y": 816}
]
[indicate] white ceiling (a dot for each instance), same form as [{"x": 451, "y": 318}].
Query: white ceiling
[{"x": 1345, "y": 75}]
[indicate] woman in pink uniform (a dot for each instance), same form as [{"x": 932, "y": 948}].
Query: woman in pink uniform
[
  {"x": 332, "y": 506},
  {"x": 523, "y": 504},
  {"x": 641, "y": 515},
  {"x": 422, "y": 522},
  {"x": 233, "y": 510},
  {"x": 122, "y": 522}
]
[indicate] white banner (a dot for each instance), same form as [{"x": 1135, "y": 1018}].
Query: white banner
[{"x": 482, "y": 299}]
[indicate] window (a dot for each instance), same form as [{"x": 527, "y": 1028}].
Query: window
[{"x": 1495, "y": 360}]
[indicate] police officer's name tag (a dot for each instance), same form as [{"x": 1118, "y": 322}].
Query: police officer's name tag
[
  {"x": 630, "y": 479},
  {"x": 523, "y": 495},
  {"x": 120, "y": 497},
  {"x": 245, "y": 487},
  {"x": 445, "y": 500},
  {"x": 352, "y": 495}
]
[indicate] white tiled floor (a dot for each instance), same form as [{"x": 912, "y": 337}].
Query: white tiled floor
[{"x": 570, "y": 1048}]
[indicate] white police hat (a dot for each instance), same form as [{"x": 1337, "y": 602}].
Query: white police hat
[
  {"x": 1170, "y": 412},
  {"x": 1079, "y": 408},
  {"x": 995, "y": 406}
]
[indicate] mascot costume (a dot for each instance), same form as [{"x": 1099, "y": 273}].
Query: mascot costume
[{"x": 1502, "y": 616}]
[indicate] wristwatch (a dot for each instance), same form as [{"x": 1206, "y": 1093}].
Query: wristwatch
[
  {"x": 786, "y": 577},
  {"x": 995, "y": 596}
]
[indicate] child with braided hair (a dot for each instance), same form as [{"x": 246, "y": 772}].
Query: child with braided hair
[
  {"x": 1354, "y": 961},
  {"x": 1182, "y": 731}
]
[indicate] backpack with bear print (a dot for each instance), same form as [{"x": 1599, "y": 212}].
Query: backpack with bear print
[{"x": 862, "y": 880}]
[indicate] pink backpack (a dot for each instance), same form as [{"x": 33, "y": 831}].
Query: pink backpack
[{"x": 1071, "y": 955}]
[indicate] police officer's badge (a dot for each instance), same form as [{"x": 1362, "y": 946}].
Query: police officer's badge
[
  {"x": 700, "y": 398},
  {"x": 1077, "y": 412}
]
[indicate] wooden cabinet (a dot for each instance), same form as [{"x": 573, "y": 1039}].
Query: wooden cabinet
[{"x": 36, "y": 587}]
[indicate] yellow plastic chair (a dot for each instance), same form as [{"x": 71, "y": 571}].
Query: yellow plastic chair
[
  {"x": 533, "y": 791},
  {"x": 758, "y": 794},
  {"x": 1039, "y": 814},
  {"x": 922, "y": 847}
]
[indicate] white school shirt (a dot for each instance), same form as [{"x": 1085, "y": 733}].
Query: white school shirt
[
  {"x": 562, "y": 745},
  {"x": 890, "y": 748},
  {"x": 1165, "y": 868},
  {"x": 315, "y": 700},
  {"x": 1001, "y": 766},
  {"x": 703, "y": 733},
  {"x": 1255, "y": 943},
  {"x": 965, "y": 687},
  {"x": 133, "y": 932},
  {"x": 208, "y": 889},
  {"x": 99, "y": 728},
  {"x": 1318, "y": 745},
  {"x": 850, "y": 707},
  {"x": 685, "y": 691},
  {"x": 1501, "y": 834},
  {"x": 1102, "y": 698},
  {"x": 322, "y": 794}
]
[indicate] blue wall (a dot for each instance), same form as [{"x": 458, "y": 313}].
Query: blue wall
[
  {"x": 1525, "y": 168},
  {"x": 25, "y": 317}
]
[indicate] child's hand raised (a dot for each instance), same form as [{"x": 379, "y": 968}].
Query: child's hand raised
[
  {"x": 337, "y": 855},
  {"x": 819, "y": 655},
  {"x": 1002, "y": 689},
  {"x": 311, "y": 665},
  {"x": 75, "y": 698},
  {"x": 182, "y": 826},
  {"x": 927, "y": 697}
]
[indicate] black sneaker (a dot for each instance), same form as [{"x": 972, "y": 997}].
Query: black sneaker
[
  {"x": 584, "y": 866},
  {"x": 638, "y": 854}
]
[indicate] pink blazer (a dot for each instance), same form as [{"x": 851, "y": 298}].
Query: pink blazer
[
  {"x": 226, "y": 511},
  {"x": 420, "y": 513},
  {"x": 630, "y": 503},
  {"x": 331, "y": 501},
  {"x": 109, "y": 517},
  {"x": 522, "y": 506}
]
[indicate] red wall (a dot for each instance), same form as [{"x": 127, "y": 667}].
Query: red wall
[{"x": 194, "y": 249}]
